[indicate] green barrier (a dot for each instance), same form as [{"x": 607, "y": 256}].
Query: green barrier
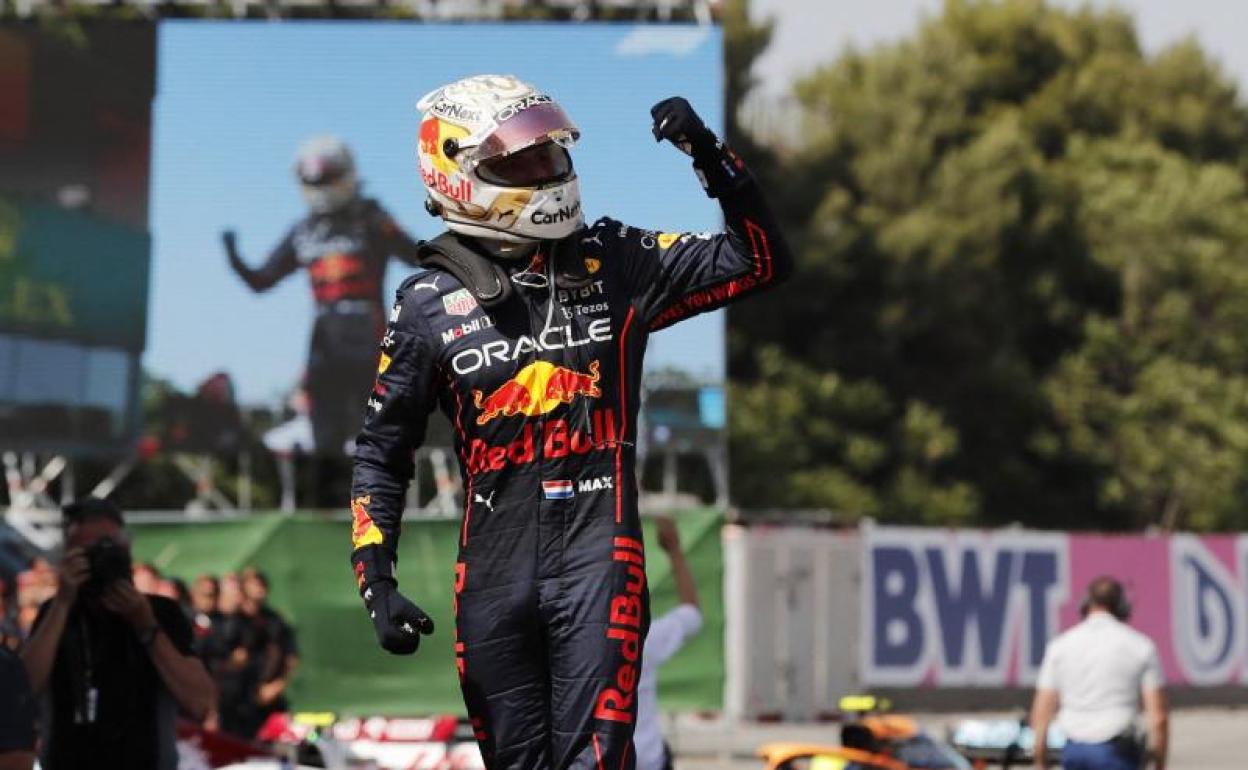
[{"x": 342, "y": 669}]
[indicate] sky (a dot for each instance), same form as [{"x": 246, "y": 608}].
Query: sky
[
  {"x": 235, "y": 99},
  {"x": 802, "y": 40}
]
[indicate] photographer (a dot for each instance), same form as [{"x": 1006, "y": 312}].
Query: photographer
[{"x": 112, "y": 665}]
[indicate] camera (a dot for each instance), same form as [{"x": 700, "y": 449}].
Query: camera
[{"x": 108, "y": 561}]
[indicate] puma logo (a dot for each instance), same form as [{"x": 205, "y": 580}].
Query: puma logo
[
  {"x": 431, "y": 285},
  {"x": 487, "y": 501}
]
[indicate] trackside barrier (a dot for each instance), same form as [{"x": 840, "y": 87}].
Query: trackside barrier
[
  {"x": 792, "y": 620},
  {"x": 959, "y": 619},
  {"x": 341, "y": 667}
]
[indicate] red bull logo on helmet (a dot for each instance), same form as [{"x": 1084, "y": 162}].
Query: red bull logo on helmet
[
  {"x": 430, "y": 136},
  {"x": 536, "y": 389},
  {"x": 433, "y": 135},
  {"x": 454, "y": 186}
]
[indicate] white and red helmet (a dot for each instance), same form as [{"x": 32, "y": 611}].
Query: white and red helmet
[
  {"x": 326, "y": 173},
  {"x": 493, "y": 154}
]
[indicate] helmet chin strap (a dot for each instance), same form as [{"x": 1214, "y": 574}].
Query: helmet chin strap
[{"x": 470, "y": 259}]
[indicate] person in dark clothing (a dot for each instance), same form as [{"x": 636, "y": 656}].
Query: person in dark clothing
[
  {"x": 17, "y": 714},
  {"x": 528, "y": 331},
  {"x": 204, "y": 615},
  {"x": 112, "y": 666},
  {"x": 245, "y": 642},
  {"x": 10, "y": 632},
  {"x": 277, "y": 654},
  {"x": 344, "y": 242},
  {"x": 228, "y": 647}
]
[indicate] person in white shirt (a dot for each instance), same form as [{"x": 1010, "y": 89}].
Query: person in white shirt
[
  {"x": 668, "y": 633},
  {"x": 1094, "y": 678}
]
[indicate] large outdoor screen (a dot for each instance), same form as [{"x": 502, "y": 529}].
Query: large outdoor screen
[
  {"x": 75, "y": 117},
  {"x": 235, "y": 102}
]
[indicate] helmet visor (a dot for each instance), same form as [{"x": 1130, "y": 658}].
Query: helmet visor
[
  {"x": 318, "y": 170},
  {"x": 534, "y": 166},
  {"x": 544, "y": 121}
]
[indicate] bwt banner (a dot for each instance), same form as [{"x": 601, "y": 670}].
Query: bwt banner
[{"x": 944, "y": 608}]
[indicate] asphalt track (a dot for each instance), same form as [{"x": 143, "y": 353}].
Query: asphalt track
[{"x": 1201, "y": 739}]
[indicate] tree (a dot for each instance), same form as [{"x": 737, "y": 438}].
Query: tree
[{"x": 1027, "y": 238}]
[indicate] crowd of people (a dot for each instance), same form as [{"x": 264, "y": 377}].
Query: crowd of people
[{"x": 247, "y": 646}]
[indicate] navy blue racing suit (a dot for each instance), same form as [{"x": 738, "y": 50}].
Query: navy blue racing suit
[
  {"x": 551, "y": 599},
  {"x": 345, "y": 253}
]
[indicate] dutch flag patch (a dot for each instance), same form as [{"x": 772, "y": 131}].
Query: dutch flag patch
[{"x": 557, "y": 490}]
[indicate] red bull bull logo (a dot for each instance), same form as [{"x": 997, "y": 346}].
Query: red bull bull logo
[
  {"x": 433, "y": 136},
  {"x": 336, "y": 267},
  {"x": 537, "y": 389},
  {"x": 430, "y": 133},
  {"x": 363, "y": 530},
  {"x": 339, "y": 275}
]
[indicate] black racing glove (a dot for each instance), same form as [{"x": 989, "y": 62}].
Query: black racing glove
[
  {"x": 719, "y": 169},
  {"x": 229, "y": 239},
  {"x": 676, "y": 121},
  {"x": 398, "y": 622}
]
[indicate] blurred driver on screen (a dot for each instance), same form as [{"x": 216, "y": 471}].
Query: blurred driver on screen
[
  {"x": 344, "y": 242},
  {"x": 528, "y": 330}
]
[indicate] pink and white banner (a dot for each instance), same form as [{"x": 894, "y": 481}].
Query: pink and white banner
[{"x": 946, "y": 608}]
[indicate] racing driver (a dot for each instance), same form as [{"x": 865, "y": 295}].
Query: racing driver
[
  {"x": 528, "y": 331},
  {"x": 344, "y": 242}
]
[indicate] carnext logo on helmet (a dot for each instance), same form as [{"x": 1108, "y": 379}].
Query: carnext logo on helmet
[
  {"x": 445, "y": 108},
  {"x": 563, "y": 214}
]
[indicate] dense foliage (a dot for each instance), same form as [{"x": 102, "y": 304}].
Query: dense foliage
[{"x": 1023, "y": 281}]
